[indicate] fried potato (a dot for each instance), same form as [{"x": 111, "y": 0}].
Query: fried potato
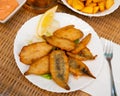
[
  {"x": 82, "y": 44},
  {"x": 77, "y": 4},
  {"x": 70, "y": 33},
  {"x": 61, "y": 43},
  {"x": 91, "y": 6},
  {"x": 87, "y": 54},
  {"x": 88, "y": 2},
  {"x": 59, "y": 68},
  {"x": 87, "y": 9},
  {"x": 95, "y": 9},
  {"x": 109, "y": 3},
  {"x": 101, "y": 5},
  {"x": 39, "y": 67},
  {"x": 78, "y": 68},
  {"x": 34, "y": 51},
  {"x": 98, "y": 0}
]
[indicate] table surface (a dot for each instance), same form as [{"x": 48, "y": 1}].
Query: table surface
[{"x": 12, "y": 82}]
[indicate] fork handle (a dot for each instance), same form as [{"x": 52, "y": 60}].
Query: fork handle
[{"x": 113, "y": 89}]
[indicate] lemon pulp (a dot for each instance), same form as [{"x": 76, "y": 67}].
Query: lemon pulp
[{"x": 46, "y": 22}]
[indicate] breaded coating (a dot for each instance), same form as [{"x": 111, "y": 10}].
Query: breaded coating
[
  {"x": 87, "y": 54},
  {"x": 69, "y": 33},
  {"x": 82, "y": 44},
  {"x": 34, "y": 51},
  {"x": 39, "y": 67},
  {"x": 83, "y": 55},
  {"x": 59, "y": 68},
  {"x": 76, "y": 56},
  {"x": 78, "y": 68},
  {"x": 61, "y": 43},
  {"x": 65, "y": 28}
]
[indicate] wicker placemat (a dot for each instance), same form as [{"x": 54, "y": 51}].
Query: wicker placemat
[{"x": 12, "y": 82}]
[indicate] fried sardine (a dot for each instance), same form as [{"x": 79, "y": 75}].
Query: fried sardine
[
  {"x": 59, "y": 68},
  {"x": 87, "y": 54},
  {"x": 34, "y": 51},
  {"x": 68, "y": 32},
  {"x": 78, "y": 68},
  {"x": 39, "y": 67},
  {"x": 82, "y": 44},
  {"x": 83, "y": 55},
  {"x": 76, "y": 56},
  {"x": 61, "y": 43}
]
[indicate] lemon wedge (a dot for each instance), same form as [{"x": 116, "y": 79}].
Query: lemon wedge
[{"x": 45, "y": 22}]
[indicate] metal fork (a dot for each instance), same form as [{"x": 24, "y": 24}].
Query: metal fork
[{"x": 108, "y": 52}]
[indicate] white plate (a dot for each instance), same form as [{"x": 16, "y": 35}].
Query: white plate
[
  {"x": 27, "y": 32},
  {"x": 106, "y": 12},
  {"x": 21, "y": 3}
]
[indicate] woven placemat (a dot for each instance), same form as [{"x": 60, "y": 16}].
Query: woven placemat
[{"x": 12, "y": 82}]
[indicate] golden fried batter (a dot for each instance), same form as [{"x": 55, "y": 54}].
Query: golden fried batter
[
  {"x": 76, "y": 56},
  {"x": 59, "y": 68},
  {"x": 61, "y": 43},
  {"x": 34, "y": 51},
  {"x": 78, "y": 68},
  {"x": 82, "y": 44},
  {"x": 87, "y": 54},
  {"x": 66, "y": 28},
  {"x": 39, "y": 67},
  {"x": 69, "y": 33},
  {"x": 84, "y": 54}
]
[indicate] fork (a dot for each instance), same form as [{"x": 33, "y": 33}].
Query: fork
[{"x": 108, "y": 52}]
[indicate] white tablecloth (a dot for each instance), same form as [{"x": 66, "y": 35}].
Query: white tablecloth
[{"x": 101, "y": 85}]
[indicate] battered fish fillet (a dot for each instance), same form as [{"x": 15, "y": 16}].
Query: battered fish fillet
[
  {"x": 61, "y": 43},
  {"x": 84, "y": 54},
  {"x": 76, "y": 56},
  {"x": 69, "y": 33},
  {"x": 82, "y": 44},
  {"x": 66, "y": 28},
  {"x": 34, "y": 51},
  {"x": 87, "y": 54},
  {"x": 39, "y": 67},
  {"x": 78, "y": 68},
  {"x": 59, "y": 68}
]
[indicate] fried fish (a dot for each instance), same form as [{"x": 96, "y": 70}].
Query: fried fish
[
  {"x": 76, "y": 56},
  {"x": 59, "y": 68},
  {"x": 87, "y": 54},
  {"x": 34, "y": 51},
  {"x": 65, "y": 28},
  {"x": 61, "y": 43},
  {"x": 84, "y": 54},
  {"x": 82, "y": 44},
  {"x": 69, "y": 33},
  {"x": 39, "y": 67},
  {"x": 78, "y": 68}
]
